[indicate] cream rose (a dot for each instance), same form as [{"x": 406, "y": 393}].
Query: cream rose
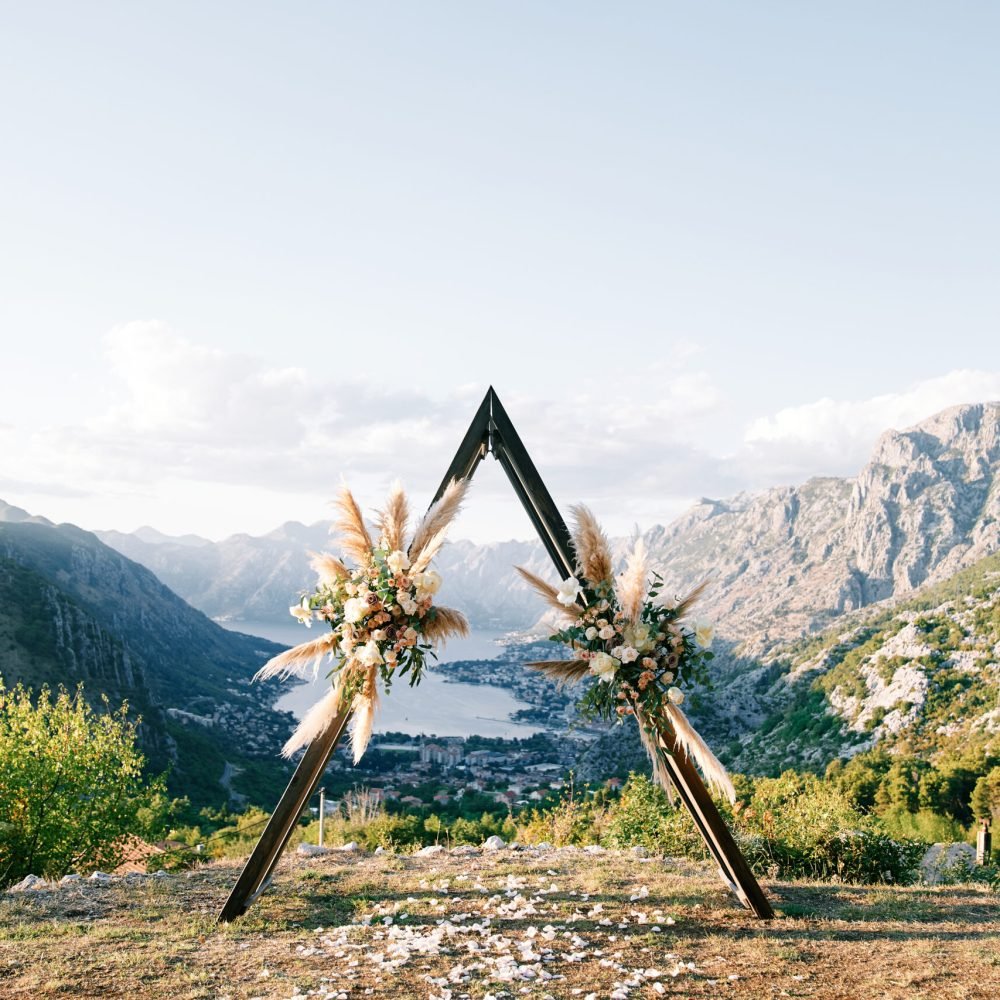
[
  {"x": 628, "y": 654},
  {"x": 676, "y": 695},
  {"x": 369, "y": 654},
  {"x": 604, "y": 667},
  {"x": 355, "y": 609},
  {"x": 429, "y": 583},
  {"x": 397, "y": 561},
  {"x": 704, "y": 632}
]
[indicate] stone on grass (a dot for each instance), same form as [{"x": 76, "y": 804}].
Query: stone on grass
[
  {"x": 29, "y": 883},
  {"x": 311, "y": 850},
  {"x": 72, "y": 877},
  {"x": 594, "y": 849},
  {"x": 100, "y": 877},
  {"x": 543, "y": 846},
  {"x": 352, "y": 846},
  {"x": 494, "y": 843},
  {"x": 638, "y": 851},
  {"x": 465, "y": 849},
  {"x": 425, "y": 852},
  {"x": 379, "y": 850},
  {"x": 940, "y": 857}
]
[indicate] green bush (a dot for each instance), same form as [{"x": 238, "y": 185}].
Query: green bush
[
  {"x": 71, "y": 786},
  {"x": 925, "y": 825}
]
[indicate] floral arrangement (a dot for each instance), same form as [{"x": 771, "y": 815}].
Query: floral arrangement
[
  {"x": 633, "y": 641},
  {"x": 381, "y": 613}
]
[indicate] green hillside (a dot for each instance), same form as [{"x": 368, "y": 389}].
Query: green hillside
[{"x": 74, "y": 612}]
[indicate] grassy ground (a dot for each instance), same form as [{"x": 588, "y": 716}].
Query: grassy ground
[{"x": 502, "y": 925}]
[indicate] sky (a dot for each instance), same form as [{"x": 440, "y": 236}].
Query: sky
[{"x": 252, "y": 251}]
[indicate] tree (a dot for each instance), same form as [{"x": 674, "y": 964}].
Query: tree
[
  {"x": 71, "y": 785},
  {"x": 986, "y": 796}
]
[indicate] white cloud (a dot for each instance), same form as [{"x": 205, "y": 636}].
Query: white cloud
[
  {"x": 835, "y": 437},
  {"x": 193, "y": 438}
]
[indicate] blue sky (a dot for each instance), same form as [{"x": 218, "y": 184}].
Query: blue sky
[{"x": 251, "y": 248}]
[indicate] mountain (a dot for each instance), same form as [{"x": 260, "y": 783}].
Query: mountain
[
  {"x": 922, "y": 673},
  {"x": 782, "y": 563},
  {"x": 73, "y": 610}
]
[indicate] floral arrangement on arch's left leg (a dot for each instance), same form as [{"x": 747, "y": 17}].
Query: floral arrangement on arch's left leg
[
  {"x": 382, "y": 616},
  {"x": 630, "y": 636}
]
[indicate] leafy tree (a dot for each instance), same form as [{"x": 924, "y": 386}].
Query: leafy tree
[
  {"x": 71, "y": 785},
  {"x": 986, "y": 796}
]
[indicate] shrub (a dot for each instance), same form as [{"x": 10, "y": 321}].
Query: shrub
[{"x": 71, "y": 785}]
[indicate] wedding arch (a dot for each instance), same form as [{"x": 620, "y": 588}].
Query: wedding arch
[{"x": 492, "y": 433}]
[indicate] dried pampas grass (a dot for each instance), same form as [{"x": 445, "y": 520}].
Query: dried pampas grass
[
  {"x": 563, "y": 672},
  {"x": 447, "y": 623},
  {"x": 550, "y": 594},
  {"x": 328, "y": 568},
  {"x": 356, "y": 540},
  {"x": 593, "y": 551},
  {"x": 364, "y": 707},
  {"x": 393, "y": 520},
  {"x": 440, "y": 515},
  {"x": 687, "y": 602},
  {"x": 688, "y": 740},
  {"x": 314, "y": 723},
  {"x": 298, "y": 660},
  {"x": 632, "y": 586}
]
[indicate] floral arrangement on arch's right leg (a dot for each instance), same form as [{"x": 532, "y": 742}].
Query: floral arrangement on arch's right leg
[{"x": 632, "y": 638}]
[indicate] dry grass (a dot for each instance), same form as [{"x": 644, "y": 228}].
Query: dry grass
[{"x": 568, "y": 915}]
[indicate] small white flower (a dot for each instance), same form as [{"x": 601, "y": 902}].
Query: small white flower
[
  {"x": 355, "y": 609},
  {"x": 568, "y": 591},
  {"x": 369, "y": 654},
  {"x": 675, "y": 694},
  {"x": 608, "y": 632},
  {"x": 667, "y": 676},
  {"x": 704, "y": 632},
  {"x": 628, "y": 654},
  {"x": 303, "y": 612},
  {"x": 397, "y": 561},
  {"x": 407, "y": 603},
  {"x": 604, "y": 666},
  {"x": 591, "y": 633}
]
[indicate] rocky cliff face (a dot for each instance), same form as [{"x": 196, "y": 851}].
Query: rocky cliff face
[
  {"x": 72, "y": 611},
  {"x": 782, "y": 563}
]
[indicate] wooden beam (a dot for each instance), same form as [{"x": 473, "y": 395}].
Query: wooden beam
[{"x": 256, "y": 873}]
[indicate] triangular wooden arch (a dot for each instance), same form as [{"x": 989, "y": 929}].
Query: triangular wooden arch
[{"x": 491, "y": 432}]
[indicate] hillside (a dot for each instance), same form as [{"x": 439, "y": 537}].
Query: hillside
[
  {"x": 784, "y": 562},
  {"x": 499, "y": 924},
  {"x": 921, "y": 674},
  {"x": 72, "y": 611}
]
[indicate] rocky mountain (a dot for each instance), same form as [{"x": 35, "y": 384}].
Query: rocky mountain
[
  {"x": 792, "y": 559},
  {"x": 783, "y": 562},
  {"x": 73, "y": 610},
  {"x": 922, "y": 672}
]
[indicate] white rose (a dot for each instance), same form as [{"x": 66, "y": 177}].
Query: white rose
[
  {"x": 667, "y": 676},
  {"x": 369, "y": 654},
  {"x": 429, "y": 583},
  {"x": 568, "y": 590},
  {"x": 591, "y": 633},
  {"x": 704, "y": 632},
  {"x": 607, "y": 632},
  {"x": 355, "y": 609},
  {"x": 303, "y": 612},
  {"x": 628, "y": 654},
  {"x": 347, "y": 645},
  {"x": 604, "y": 666},
  {"x": 676, "y": 695},
  {"x": 639, "y": 636},
  {"x": 407, "y": 603},
  {"x": 397, "y": 561}
]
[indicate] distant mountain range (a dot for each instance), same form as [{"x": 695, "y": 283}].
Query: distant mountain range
[
  {"x": 837, "y": 625},
  {"x": 73, "y": 610},
  {"x": 782, "y": 563}
]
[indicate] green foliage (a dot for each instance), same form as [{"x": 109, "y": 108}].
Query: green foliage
[
  {"x": 795, "y": 826},
  {"x": 925, "y": 825},
  {"x": 985, "y": 801},
  {"x": 71, "y": 785}
]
